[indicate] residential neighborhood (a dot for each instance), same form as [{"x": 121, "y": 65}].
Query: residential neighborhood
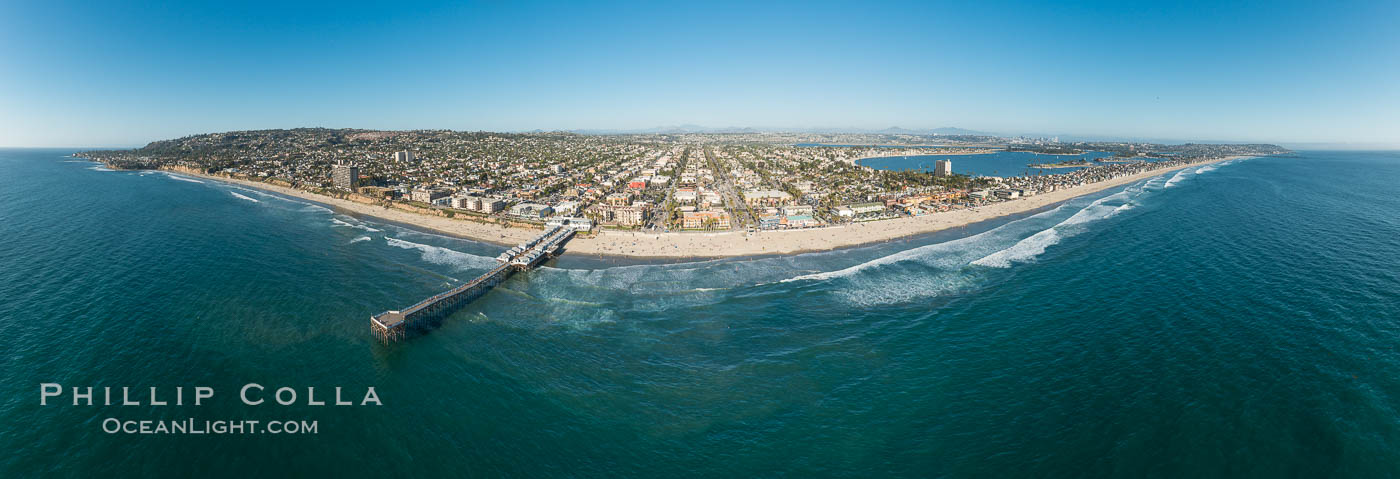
[{"x": 642, "y": 182}]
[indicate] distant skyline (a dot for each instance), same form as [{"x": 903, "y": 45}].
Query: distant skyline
[{"x": 127, "y": 73}]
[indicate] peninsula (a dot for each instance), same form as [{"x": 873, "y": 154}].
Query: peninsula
[{"x": 664, "y": 195}]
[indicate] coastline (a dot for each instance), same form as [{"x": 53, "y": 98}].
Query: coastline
[{"x": 706, "y": 245}]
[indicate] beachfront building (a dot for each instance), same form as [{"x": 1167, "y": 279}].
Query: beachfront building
[
  {"x": 801, "y": 221},
  {"x": 577, "y": 224},
  {"x": 531, "y": 210},
  {"x": 379, "y": 192},
  {"x": 466, "y": 202},
  {"x": 861, "y": 210},
  {"x": 427, "y": 195},
  {"x": 705, "y": 220},
  {"x": 492, "y": 205},
  {"x": 1006, "y": 193},
  {"x": 619, "y": 215},
  {"x": 943, "y": 168},
  {"x": 345, "y": 175}
]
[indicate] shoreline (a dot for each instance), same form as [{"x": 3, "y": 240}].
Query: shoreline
[{"x": 711, "y": 245}]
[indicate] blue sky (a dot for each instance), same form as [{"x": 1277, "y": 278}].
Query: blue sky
[{"x": 126, "y": 73}]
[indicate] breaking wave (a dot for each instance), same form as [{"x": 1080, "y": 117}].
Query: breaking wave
[
  {"x": 306, "y": 205},
  {"x": 359, "y": 239},
  {"x": 867, "y": 275},
  {"x": 962, "y": 264},
  {"x": 1191, "y": 173},
  {"x": 181, "y": 178},
  {"x": 944, "y": 254},
  {"x": 256, "y": 192},
  {"x": 1031, "y": 247},
  {"x": 338, "y": 222},
  {"x": 241, "y": 197},
  {"x": 1022, "y": 251},
  {"x": 1180, "y": 174},
  {"x": 444, "y": 256}
]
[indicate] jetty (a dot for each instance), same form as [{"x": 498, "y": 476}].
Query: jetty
[{"x": 391, "y": 326}]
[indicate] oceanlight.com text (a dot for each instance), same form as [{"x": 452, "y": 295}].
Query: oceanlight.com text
[{"x": 193, "y": 426}]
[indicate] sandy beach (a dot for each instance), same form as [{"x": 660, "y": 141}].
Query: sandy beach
[{"x": 718, "y": 244}]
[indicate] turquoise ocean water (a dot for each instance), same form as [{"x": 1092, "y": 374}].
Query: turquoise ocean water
[{"x": 1240, "y": 319}]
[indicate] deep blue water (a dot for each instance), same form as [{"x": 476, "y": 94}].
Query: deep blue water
[
  {"x": 1001, "y": 163},
  {"x": 1225, "y": 321}
]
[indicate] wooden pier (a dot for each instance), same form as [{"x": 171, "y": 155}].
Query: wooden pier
[{"x": 391, "y": 326}]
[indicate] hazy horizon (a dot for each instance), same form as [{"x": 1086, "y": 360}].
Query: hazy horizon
[{"x": 126, "y": 74}]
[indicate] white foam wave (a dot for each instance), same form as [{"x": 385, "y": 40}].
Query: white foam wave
[
  {"x": 100, "y": 168},
  {"x": 444, "y": 256},
  {"x": 338, "y": 222},
  {"x": 1097, "y": 210},
  {"x": 970, "y": 243},
  {"x": 905, "y": 286},
  {"x": 1035, "y": 245},
  {"x": 359, "y": 239},
  {"x": 241, "y": 197},
  {"x": 922, "y": 272},
  {"x": 1155, "y": 182},
  {"x": 181, "y": 178},
  {"x": 658, "y": 287},
  {"x": 256, "y": 192},
  {"x": 909, "y": 275},
  {"x": 306, "y": 205},
  {"x": 1180, "y": 174},
  {"x": 1022, "y": 251}
]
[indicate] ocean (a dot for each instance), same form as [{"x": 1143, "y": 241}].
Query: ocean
[{"x": 1228, "y": 320}]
